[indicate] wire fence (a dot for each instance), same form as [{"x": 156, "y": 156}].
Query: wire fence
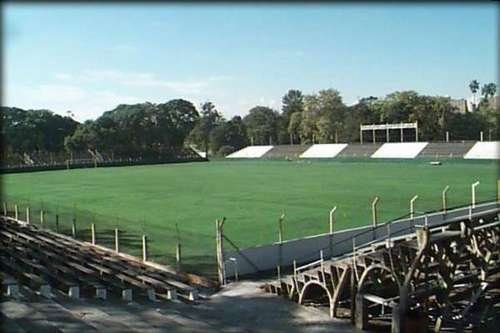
[{"x": 197, "y": 250}]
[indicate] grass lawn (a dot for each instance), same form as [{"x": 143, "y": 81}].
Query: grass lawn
[{"x": 250, "y": 194}]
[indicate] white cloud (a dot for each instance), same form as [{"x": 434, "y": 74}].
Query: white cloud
[
  {"x": 85, "y": 104},
  {"x": 62, "y": 76},
  {"x": 89, "y": 93},
  {"x": 150, "y": 80}
]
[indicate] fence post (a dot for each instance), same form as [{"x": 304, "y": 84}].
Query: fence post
[
  {"x": 332, "y": 222},
  {"x": 57, "y": 223},
  {"x": 178, "y": 256},
  {"x": 4, "y": 208},
  {"x": 445, "y": 198},
  {"x": 498, "y": 189},
  {"x": 73, "y": 227},
  {"x": 16, "y": 212},
  {"x": 412, "y": 205},
  {"x": 280, "y": 224},
  {"x": 144, "y": 248},
  {"x": 219, "y": 225},
  {"x": 92, "y": 231},
  {"x": 41, "y": 218},
  {"x": 117, "y": 241},
  {"x": 28, "y": 215},
  {"x": 473, "y": 189},
  {"x": 374, "y": 216},
  {"x": 374, "y": 212},
  {"x": 280, "y": 227}
]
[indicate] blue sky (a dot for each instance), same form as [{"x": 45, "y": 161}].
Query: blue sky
[{"x": 90, "y": 58}]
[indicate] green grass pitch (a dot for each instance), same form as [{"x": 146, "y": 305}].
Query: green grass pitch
[{"x": 250, "y": 194}]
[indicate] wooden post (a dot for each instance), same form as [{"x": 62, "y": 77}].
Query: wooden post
[
  {"x": 16, "y": 212},
  {"x": 57, "y": 223},
  {"x": 117, "y": 240},
  {"x": 445, "y": 198},
  {"x": 178, "y": 256},
  {"x": 28, "y": 215},
  {"x": 92, "y": 231},
  {"x": 473, "y": 190},
  {"x": 144, "y": 248},
  {"x": 4, "y": 208},
  {"x": 220, "y": 250},
  {"x": 412, "y": 206}
]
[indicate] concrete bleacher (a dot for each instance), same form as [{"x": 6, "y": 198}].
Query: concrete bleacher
[
  {"x": 484, "y": 150},
  {"x": 446, "y": 149},
  {"x": 399, "y": 150},
  {"x": 250, "y": 152},
  {"x": 286, "y": 151},
  {"x": 359, "y": 150},
  {"x": 324, "y": 150}
]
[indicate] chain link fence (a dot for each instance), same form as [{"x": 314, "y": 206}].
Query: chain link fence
[{"x": 197, "y": 251}]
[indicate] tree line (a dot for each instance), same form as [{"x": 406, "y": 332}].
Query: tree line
[{"x": 320, "y": 117}]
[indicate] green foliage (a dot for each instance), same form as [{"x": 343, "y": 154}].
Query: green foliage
[
  {"x": 34, "y": 130},
  {"x": 209, "y": 120},
  {"x": 137, "y": 128},
  {"x": 262, "y": 124}
]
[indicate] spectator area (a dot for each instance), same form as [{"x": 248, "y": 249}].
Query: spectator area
[
  {"x": 324, "y": 150},
  {"x": 446, "y": 149},
  {"x": 410, "y": 150},
  {"x": 359, "y": 150},
  {"x": 286, "y": 151},
  {"x": 400, "y": 150},
  {"x": 250, "y": 152},
  {"x": 484, "y": 150}
]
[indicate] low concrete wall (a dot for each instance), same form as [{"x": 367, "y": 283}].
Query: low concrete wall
[{"x": 304, "y": 250}]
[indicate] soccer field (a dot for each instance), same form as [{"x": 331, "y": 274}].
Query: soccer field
[{"x": 250, "y": 194}]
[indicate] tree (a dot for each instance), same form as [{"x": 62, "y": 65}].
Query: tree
[
  {"x": 488, "y": 90},
  {"x": 209, "y": 119},
  {"x": 231, "y": 133},
  {"x": 474, "y": 88},
  {"x": 34, "y": 130},
  {"x": 294, "y": 126},
  {"x": 261, "y": 123}
]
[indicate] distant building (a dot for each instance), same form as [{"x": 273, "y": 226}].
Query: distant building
[
  {"x": 494, "y": 102},
  {"x": 460, "y": 105}
]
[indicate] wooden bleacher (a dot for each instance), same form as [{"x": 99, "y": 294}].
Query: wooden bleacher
[{"x": 38, "y": 259}]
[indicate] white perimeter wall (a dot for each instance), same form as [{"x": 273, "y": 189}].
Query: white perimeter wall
[
  {"x": 307, "y": 249},
  {"x": 323, "y": 150},
  {"x": 484, "y": 150},
  {"x": 399, "y": 150},
  {"x": 250, "y": 152}
]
